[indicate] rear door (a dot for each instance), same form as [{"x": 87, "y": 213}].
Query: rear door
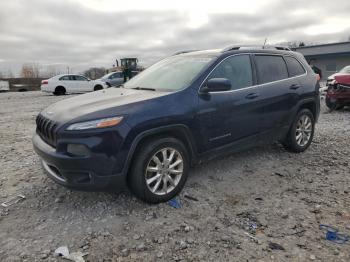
[
  {"x": 280, "y": 91},
  {"x": 229, "y": 116},
  {"x": 68, "y": 83}
]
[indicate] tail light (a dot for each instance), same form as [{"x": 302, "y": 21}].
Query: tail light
[{"x": 45, "y": 82}]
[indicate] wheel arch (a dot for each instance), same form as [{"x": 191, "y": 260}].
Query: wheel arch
[
  {"x": 311, "y": 105},
  {"x": 180, "y": 132},
  {"x": 60, "y": 86}
]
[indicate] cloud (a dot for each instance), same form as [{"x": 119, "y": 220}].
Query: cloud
[{"x": 81, "y": 35}]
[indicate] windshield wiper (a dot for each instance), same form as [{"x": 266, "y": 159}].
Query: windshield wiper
[{"x": 143, "y": 88}]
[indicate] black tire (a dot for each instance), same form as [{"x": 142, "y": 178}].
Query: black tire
[
  {"x": 290, "y": 143},
  {"x": 59, "y": 91},
  {"x": 331, "y": 105},
  {"x": 142, "y": 158},
  {"x": 340, "y": 107},
  {"x": 98, "y": 87}
]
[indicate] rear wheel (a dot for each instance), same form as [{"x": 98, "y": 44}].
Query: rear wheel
[
  {"x": 301, "y": 132},
  {"x": 159, "y": 170},
  {"x": 60, "y": 90}
]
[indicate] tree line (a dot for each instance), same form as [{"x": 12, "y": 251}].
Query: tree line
[{"x": 35, "y": 70}]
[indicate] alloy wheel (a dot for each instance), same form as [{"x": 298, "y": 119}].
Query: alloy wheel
[
  {"x": 164, "y": 171},
  {"x": 304, "y": 130}
]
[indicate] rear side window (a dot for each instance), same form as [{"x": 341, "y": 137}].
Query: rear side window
[
  {"x": 65, "y": 78},
  {"x": 270, "y": 68},
  {"x": 238, "y": 69},
  {"x": 294, "y": 67}
]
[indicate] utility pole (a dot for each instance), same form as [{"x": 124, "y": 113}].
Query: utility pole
[
  {"x": 264, "y": 43},
  {"x": 67, "y": 69}
]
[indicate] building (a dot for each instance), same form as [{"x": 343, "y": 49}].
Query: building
[{"x": 330, "y": 58}]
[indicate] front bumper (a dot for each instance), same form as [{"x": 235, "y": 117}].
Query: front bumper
[{"x": 81, "y": 173}]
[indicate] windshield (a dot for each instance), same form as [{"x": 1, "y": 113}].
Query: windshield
[
  {"x": 345, "y": 70},
  {"x": 171, "y": 74},
  {"x": 107, "y": 75}
]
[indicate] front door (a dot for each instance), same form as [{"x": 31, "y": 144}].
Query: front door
[
  {"x": 82, "y": 84},
  {"x": 229, "y": 116}
]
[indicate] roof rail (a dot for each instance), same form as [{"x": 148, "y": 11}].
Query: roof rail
[
  {"x": 184, "y": 52},
  {"x": 246, "y": 47}
]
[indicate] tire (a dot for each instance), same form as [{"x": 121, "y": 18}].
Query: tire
[
  {"x": 60, "y": 90},
  {"x": 339, "y": 107},
  {"x": 331, "y": 105},
  {"x": 144, "y": 158},
  {"x": 98, "y": 87},
  {"x": 295, "y": 143}
]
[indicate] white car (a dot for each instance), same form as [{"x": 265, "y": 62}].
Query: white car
[
  {"x": 62, "y": 84},
  {"x": 4, "y": 86}
]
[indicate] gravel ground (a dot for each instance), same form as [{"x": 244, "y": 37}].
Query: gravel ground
[{"x": 263, "y": 204}]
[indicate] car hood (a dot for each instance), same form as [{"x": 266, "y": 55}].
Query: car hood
[
  {"x": 331, "y": 77},
  {"x": 88, "y": 104},
  {"x": 97, "y": 80}
]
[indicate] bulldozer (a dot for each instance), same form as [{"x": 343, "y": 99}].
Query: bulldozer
[{"x": 129, "y": 67}]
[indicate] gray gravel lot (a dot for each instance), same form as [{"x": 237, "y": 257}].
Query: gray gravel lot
[{"x": 247, "y": 203}]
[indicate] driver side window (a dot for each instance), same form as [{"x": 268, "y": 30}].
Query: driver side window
[{"x": 237, "y": 69}]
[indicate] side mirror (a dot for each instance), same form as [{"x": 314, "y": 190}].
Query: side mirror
[{"x": 217, "y": 85}]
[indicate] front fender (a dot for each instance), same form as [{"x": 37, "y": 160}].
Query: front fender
[{"x": 178, "y": 130}]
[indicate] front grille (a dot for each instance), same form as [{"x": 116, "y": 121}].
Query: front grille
[{"x": 46, "y": 129}]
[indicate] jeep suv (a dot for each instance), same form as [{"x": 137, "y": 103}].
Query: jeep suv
[{"x": 186, "y": 108}]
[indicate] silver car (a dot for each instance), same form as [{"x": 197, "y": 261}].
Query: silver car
[{"x": 113, "y": 79}]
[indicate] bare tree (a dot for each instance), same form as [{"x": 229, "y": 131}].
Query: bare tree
[
  {"x": 30, "y": 70},
  {"x": 50, "y": 71},
  {"x": 9, "y": 74},
  {"x": 95, "y": 72}
]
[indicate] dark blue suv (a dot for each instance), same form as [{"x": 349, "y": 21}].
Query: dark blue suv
[{"x": 186, "y": 108}]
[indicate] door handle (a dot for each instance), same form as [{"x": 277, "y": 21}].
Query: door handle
[
  {"x": 252, "y": 96},
  {"x": 294, "y": 86}
]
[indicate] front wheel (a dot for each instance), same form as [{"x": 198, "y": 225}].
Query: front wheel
[
  {"x": 159, "y": 170},
  {"x": 301, "y": 132},
  {"x": 98, "y": 87},
  {"x": 332, "y": 105}
]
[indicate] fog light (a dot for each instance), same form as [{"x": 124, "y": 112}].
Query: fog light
[{"x": 77, "y": 150}]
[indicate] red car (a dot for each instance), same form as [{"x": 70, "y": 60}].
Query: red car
[{"x": 338, "y": 93}]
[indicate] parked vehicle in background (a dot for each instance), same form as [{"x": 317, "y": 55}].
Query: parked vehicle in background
[
  {"x": 69, "y": 83},
  {"x": 183, "y": 110},
  {"x": 113, "y": 79},
  {"x": 338, "y": 93},
  {"x": 4, "y": 86},
  {"x": 344, "y": 71}
]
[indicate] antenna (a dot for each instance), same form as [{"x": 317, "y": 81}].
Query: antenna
[{"x": 264, "y": 43}]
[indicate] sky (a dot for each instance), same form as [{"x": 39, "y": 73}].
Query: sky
[{"x": 85, "y": 33}]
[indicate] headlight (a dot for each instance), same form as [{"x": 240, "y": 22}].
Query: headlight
[{"x": 99, "y": 123}]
